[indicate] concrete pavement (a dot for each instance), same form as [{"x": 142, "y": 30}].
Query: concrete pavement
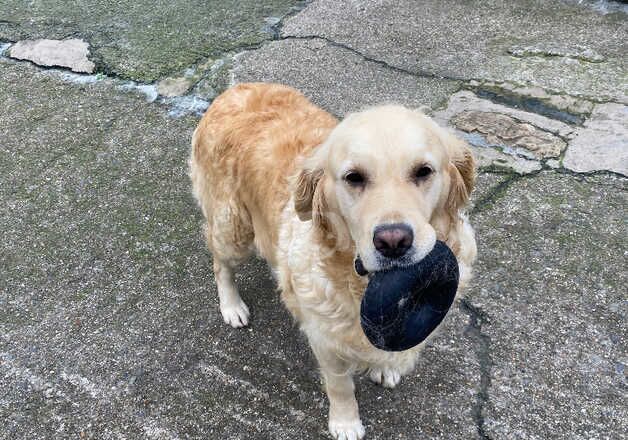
[{"x": 109, "y": 326}]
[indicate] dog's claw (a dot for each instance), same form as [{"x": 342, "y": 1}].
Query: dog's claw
[{"x": 236, "y": 315}]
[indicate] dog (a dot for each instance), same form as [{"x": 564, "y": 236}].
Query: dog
[{"x": 277, "y": 175}]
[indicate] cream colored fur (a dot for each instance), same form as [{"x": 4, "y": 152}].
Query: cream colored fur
[{"x": 269, "y": 171}]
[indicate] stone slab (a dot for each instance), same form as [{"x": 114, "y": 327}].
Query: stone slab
[
  {"x": 471, "y": 39},
  {"x": 466, "y": 100},
  {"x": 602, "y": 144},
  {"x": 489, "y": 158},
  {"x": 497, "y": 153},
  {"x": 509, "y": 134},
  {"x": 550, "y": 287},
  {"x": 72, "y": 53}
]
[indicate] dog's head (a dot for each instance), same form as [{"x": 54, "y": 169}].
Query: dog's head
[{"x": 381, "y": 182}]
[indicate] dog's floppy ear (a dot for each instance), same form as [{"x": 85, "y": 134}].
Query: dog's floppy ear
[
  {"x": 310, "y": 201},
  {"x": 462, "y": 174},
  {"x": 309, "y": 192},
  {"x": 304, "y": 190}
]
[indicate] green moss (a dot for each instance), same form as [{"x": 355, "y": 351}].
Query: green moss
[{"x": 146, "y": 40}]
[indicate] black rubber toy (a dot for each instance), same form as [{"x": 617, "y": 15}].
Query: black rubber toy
[{"x": 402, "y": 306}]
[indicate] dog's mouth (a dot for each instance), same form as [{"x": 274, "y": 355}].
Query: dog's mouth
[
  {"x": 383, "y": 263},
  {"x": 359, "y": 267}
]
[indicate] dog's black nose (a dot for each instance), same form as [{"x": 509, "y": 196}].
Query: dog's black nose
[{"x": 394, "y": 240}]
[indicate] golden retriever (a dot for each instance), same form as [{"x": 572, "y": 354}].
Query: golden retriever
[{"x": 275, "y": 174}]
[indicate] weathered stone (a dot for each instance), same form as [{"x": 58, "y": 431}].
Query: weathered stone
[
  {"x": 566, "y": 108},
  {"x": 490, "y": 158},
  {"x": 553, "y": 50},
  {"x": 553, "y": 163},
  {"x": 215, "y": 79},
  {"x": 532, "y": 92},
  {"x": 466, "y": 100},
  {"x": 185, "y": 105},
  {"x": 602, "y": 144},
  {"x": 70, "y": 53},
  {"x": 171, "y": 87},
  {"x": 509, "y": 134},
  {"x": 571, "y": 104},
  {"x": 518, "y": 160}
]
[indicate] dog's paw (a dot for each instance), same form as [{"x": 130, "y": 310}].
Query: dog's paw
[
  {"x": 346, "y": 429},
  {"x": 236, "y": 315},
  {"x": 386, "y": 377}
]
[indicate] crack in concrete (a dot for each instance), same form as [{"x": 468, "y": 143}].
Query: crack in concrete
[
  {"x": 482, "y": 344},
  {"x": 530, "y": 104},
  {"x": 562, "y": 170},
  {"x": 496, "y": 192},
  {"x": 417, "y": 73},
  {"x": 277, "y": 28}
]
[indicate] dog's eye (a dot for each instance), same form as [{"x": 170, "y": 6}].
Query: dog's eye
[
  {"x": 422, "y": 172},
  {"x": 355, "y": 178}
]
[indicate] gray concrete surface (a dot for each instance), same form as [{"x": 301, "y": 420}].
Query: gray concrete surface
[
  {"x": 480, "y": 40},
  {"x": 108, "y": 321}
]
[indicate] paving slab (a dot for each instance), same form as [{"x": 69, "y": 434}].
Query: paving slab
[
  {"x": 466, "y": 100},
  {"x": 602, "y": 144},
  {"x": 336, "y": 78},
  {"x": 71, "y": 53},
  {"x": 490, "y": 132},
  {"x": 482, "y": 39},
  {"x": 550, "y": 289},
  {"x": 146, "y": 40}
]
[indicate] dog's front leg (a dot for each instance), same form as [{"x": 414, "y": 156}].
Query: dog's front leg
[{"x": 344, "y": 416}]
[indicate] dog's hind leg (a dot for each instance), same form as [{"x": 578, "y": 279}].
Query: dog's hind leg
[
  {"x": 230, "y": 239},
  {"x": 229, "y": 234}
]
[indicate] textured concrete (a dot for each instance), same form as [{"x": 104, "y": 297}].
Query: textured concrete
[
  {"x": 337, "y": 78},
  {"x": 109, "y": 326},
  {"x": 145, "y": 40},
  {"x": 551, "y": 287},
  {"x": 473, "y": 40}
]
